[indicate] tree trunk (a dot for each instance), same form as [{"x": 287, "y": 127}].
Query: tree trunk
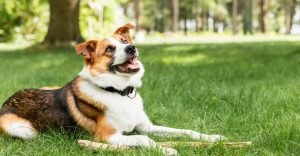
[
  {"x": 205, "y": 21},
  {"x": 125, "y": 7},
  {"x": 138, "y": 13},
  {"x": 185, "y": 26},
  {"x": 289, "y": 14},
  {"x": 235, "y": 17},
  {"x": 198, "y": 17},
  {"x": 175, "y": 15},
  {"x": 288, "y": 21},
  {"x": 261, "y": 17},
  {"x": 64, "y": 23},
  {"x": 247, "y": 17}
]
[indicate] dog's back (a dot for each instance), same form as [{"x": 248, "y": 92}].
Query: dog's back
[{"x": 35, "y": 110}]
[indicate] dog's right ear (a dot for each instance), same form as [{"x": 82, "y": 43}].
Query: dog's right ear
[
  {"x": 86, "y": 49},
  {"x": 123, "y": 33}
]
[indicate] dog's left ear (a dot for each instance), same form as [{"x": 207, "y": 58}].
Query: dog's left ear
[{"x": 123, "y": 33}]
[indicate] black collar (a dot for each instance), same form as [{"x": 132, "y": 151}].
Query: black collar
[{"x": 125, "y": 92}]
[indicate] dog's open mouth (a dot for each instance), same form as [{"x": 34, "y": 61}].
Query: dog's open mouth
[{"x": 130, "y": 66}]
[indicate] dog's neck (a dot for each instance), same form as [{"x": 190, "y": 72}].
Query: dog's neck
[
  {"x": 125, "y": 92},
  {"x": 129, "y": 91}
]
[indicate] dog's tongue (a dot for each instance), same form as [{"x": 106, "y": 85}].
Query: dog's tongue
[{"x": 132, "y": 64}]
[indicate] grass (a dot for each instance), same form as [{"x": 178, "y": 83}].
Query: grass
[{"x": 245, "y": 91}]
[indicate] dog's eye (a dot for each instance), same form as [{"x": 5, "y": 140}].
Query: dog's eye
[
  {"x": 110, "y": 49},
  {"x": 124, "y": 41}
]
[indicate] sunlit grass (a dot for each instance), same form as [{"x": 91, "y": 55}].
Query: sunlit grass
[
  {"x": 245, "y": 91},
  {"x": 184, "y": 60},
  {"x": 14, "y": 46}
]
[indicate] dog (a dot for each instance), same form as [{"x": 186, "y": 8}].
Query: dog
[{"x": 102, "y": 100}]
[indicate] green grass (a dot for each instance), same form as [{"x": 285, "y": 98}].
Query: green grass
[{"x": 245, "y": 91}]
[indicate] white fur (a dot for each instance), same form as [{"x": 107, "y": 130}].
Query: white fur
[
  {"x": 173, "y": 132},
  {"x": 21, "y": 130},
  {"x": 120, "y": 55},
  {"x": 118, "y": 81},
  {"x": 133, "y": 140},
  {"x": 123, "y": 112}
]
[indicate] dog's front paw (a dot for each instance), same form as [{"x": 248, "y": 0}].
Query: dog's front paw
[
  {"x": 206, "y": 137},
  {"x": 213, "y": 138},
  {"x": 169, "y": 151}
]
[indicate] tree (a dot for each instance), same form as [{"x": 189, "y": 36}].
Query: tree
[
  {"x": 186, "y": 12},
  {"x": 138, "y": 4},
  {"x": 247, "y": 16},
  {"x": 205, "y": 7},
  {"x": 198, "y": 15},
  {"x": 220, "y": 13},
  {"x": 261, "y": 16},
  {"x": 235, "y": 17},
  {"x": 289, "y": 9},
  {"x": 175, "y": 14},
  {"x": 64, "y": 22}
]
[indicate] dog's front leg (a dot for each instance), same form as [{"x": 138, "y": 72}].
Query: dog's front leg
[
  {"x": 173, "y": 132},
  {"x": 147, "y": 127},
  {"x": 105, "y": 132},
  {"x": 131, "y": 140}
]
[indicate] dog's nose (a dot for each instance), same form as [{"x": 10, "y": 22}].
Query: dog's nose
[{"x": 130, "y": 49}]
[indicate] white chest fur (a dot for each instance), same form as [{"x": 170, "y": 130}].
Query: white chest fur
[{"x": 123, "y": 113}]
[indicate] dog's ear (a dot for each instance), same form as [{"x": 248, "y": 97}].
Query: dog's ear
[
  {"x": 86, "y": 49},
  {"x": 123, "y": 33}
]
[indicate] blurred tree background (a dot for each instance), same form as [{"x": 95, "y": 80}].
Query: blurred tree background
[{"x": 56, "y": 22}]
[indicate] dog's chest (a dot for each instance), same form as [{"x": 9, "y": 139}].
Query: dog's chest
[{"x": 124, "y": 113}]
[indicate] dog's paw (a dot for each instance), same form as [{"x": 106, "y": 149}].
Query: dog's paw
[
  {"x": 214, "y": 138},
  {"x": 169, "y": 151},
  {"x": 206, "y": 137}
]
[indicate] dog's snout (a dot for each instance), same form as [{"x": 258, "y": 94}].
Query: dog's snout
[{"x": 130, "y": 49}]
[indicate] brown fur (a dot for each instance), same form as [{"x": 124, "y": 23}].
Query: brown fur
[
  {"x": 123, "y": 33},
  {"x": 103, "y": 129},
  {"x": 82, "y": 120},
  {"x": 102, "y": 60},
  {"x": 86, "y": 99},
  {"x": 62, "y": 108},
  {"x": 96, "y": 58},
  {"x": 43, "y": 108}
]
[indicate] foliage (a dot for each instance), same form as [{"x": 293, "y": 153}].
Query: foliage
[
  {"x": 97, "y": 17},
  {"x": 23, "y": 19},
  {"x": 28, "y": 19}
]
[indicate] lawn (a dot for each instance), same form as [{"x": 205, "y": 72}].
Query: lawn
[{"x": 245, "y": 91}]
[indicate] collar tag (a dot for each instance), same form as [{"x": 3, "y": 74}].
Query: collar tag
[{"x": 132, "y": 97}]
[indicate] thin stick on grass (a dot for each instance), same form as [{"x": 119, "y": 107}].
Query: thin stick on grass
[
  {"x": 92, "y": 145},
  {"x": 206, "y": 144},
  {"x": 97, "y": 145}
]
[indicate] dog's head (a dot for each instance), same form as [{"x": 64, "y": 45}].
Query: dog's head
[{"x": 112, "y": 62}]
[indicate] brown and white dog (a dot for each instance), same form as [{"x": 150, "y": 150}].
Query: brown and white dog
[{"x": 101, "y": 100}]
